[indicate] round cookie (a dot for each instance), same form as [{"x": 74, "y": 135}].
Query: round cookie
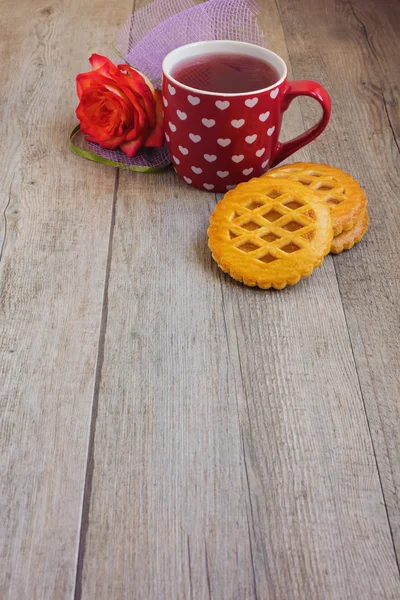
[
  {"x": 347, "y": 239},
  {"x": 269, "y": 233},
  {"x": 334, "y": 187}
]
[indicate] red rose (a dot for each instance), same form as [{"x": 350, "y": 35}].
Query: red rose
[{"x": 119, "y": 107}]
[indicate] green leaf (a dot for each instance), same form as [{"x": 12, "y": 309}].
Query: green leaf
[{"x": 106, "y": 161}]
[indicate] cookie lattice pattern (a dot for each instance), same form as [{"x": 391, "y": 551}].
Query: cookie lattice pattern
[
  {"x": 272, "y": 226},
  {"x": 338, "y": 190},
  {"x": 315, "y": 180},
  {"x": 270, "y": 233}
]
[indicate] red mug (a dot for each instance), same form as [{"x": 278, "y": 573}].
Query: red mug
[{"x": 219, "y": 140}]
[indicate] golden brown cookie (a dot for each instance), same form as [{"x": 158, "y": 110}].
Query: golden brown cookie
[
  {"x": 269, "y": 233},
  {"x": 337, "y": 189},
  {"x": 347, "y": 239}
]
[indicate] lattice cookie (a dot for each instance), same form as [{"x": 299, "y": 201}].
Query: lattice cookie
[
  {"x": 347, "y": 239},
  {"x": 269, "y": 233},
  {"x": 336, "y": 189}
]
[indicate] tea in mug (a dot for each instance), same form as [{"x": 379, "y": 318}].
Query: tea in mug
[{"x": 226, "y": 73}]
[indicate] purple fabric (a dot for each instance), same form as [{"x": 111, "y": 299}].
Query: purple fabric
[
  {"x": 150, "y": 157},
  {"x": 163, "y": 25}
]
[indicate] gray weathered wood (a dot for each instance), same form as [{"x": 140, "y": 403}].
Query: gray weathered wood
[
  {"x": 232, "y": 455},
  {"x": 358, "y": 59},
  {"x": 55, "y": 213},
  {"x": 167, "y": 426},
  {"x": 165, "y": 431}
]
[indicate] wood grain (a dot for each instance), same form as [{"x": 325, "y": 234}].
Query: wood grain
[
  {"x": 358, "y": 60},
  {"x": 165, "y": 485},
  {"x": 54, "y": 243},
  {"x": 165, "y": 431},
  {"x": 232, "y": 454}
]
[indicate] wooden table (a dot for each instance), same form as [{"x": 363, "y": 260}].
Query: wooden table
[{"x": 167, "y": 433}]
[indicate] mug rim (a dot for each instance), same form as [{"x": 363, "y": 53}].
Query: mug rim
[{"x": 261, "y": 49}]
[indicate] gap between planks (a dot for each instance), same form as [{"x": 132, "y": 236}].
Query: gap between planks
[{"x": 87, "y": 492}]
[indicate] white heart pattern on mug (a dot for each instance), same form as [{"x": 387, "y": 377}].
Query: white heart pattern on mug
[
  {"x": 230, "y": 187},
  {"x": 182, "y": 115},
  {"x": 172, "y": 126},
  {"x": 260, "y": 152},
  {"x": 167, "y": 137},
  {"x": 224, "y": 142},
  {"x": 187, "y": 179},
  {"x": 183, "y": 150},
  {"x": 195, "y": 138},
  {"x": 165, "y": 101},
  {"x": 250, "y": 139},
  {"x": 197, "y": 170},
  {"x": 237, "y": 123},
  {"x": 265, "y": 163},
  {"x": 271, "y": 130},
  {"x": 208, "y": 186},
  {"x": 274, "y": 93},
  {"x": 210, "y": 157},
  {"x": 222, "y": 104},
  {"x": 171, "y": 90},
  {"x": 222, "y": 174},
  {"x": 178, "y": 162},
  {"x": 251, "y": 103},
  {"x": 247, "y": 171},
  {"x": 264, "y": 116},
  {"x": 237, "y": 158},
  {"x": 193, "y": 100},
  {"x": 208, "y": 122}
]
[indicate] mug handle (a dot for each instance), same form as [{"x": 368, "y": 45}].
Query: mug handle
[{"x": 303, "y": 88}]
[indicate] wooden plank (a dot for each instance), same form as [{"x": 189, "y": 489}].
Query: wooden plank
[
  {"x": 54, "y": 240},
  {"x": 379, "y": 24},
  {"x": 232, "y": 457},
  {"x": 358, "y": 57},
  {"x": 167, "y": 477}
]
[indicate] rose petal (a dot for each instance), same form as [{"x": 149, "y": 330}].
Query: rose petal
[
  {"x": 99, "y": 62},
  {"x": 133, "y": 147},
  {"x": 99, "y": 103},
  {"x": 141, "y": 120},
  {"x": 135, "y": 83},
  {"x": 138, "y": 76},
  {"x": 91, "y": 80},
  {"x": 156, "y": 137},
  {"x": 112, "y": 143},
  {"x": 98, "y": 123}
]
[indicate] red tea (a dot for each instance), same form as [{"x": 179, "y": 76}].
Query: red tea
[{"x": 225, "y": 73}]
